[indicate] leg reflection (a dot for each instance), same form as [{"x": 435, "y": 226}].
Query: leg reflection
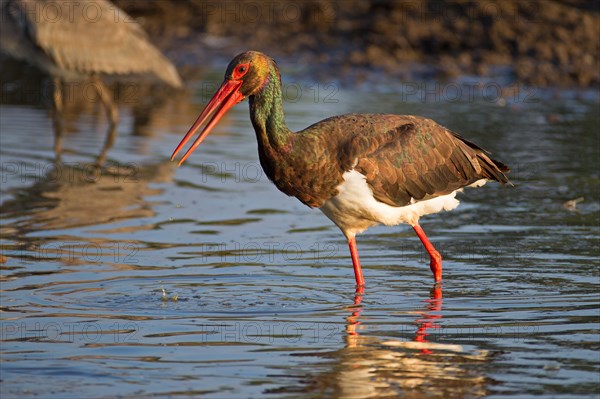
[
  {"x": 356, "y": 308},
  {"x": 57, "y": 115},
  {"x": 112, "y": 113},
  {"x": 429, "y": 320}
]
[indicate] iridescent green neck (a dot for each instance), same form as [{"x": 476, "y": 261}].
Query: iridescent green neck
[{"x": 266, "y": 113}]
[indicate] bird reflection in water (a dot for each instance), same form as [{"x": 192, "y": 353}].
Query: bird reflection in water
[
  {"x": 427, "y": 321},
  {"x": 372, "y": 367},
  {"x": 70, "y": 197}
]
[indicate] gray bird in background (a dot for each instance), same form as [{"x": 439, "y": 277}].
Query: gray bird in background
[{"x": 81, "y": 40}]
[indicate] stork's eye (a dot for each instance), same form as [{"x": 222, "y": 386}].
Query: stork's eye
[{"x": 241, "y": 70}]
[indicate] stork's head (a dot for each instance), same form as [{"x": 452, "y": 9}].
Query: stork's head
[{"x": 246, "y": 75}]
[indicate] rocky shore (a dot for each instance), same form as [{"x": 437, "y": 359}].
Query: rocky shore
[{"x": 541, "y": 43}]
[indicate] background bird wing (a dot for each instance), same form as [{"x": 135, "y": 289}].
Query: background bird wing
[
  {"x": 406, "y": 158},
  {"x": 94, "y": 36}
]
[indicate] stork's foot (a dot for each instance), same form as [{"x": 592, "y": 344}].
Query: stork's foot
[
  {"x": 358, "y": 294},
  {"x": 436, "y": 265},
  {"x": 436, "y": 259}
]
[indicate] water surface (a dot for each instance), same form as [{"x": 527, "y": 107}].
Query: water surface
[{"x": 143, "y": 280}]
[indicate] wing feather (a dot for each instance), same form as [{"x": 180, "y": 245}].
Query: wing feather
[{"x": 407, "y": 158}]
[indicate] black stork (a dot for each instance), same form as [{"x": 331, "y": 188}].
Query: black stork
[{"x": 360, "y": 170}]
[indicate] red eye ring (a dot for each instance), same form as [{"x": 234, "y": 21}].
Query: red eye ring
[{"x": 241, "y": 70}]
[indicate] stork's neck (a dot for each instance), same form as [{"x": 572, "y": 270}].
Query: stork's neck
[{"x": 266, "y": 113}]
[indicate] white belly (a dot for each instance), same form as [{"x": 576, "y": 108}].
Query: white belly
[{"x": 355, "y": 209}]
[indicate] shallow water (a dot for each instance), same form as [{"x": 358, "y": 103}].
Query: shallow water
[{"x": 143, "y": 280}]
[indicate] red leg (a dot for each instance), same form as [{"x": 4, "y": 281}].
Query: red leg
[
  {"x": 360, "y": 281},
  {"x": 436, "y": 259}
]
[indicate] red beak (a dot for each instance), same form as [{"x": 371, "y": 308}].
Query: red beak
[{"x": 226, "y": 97}]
